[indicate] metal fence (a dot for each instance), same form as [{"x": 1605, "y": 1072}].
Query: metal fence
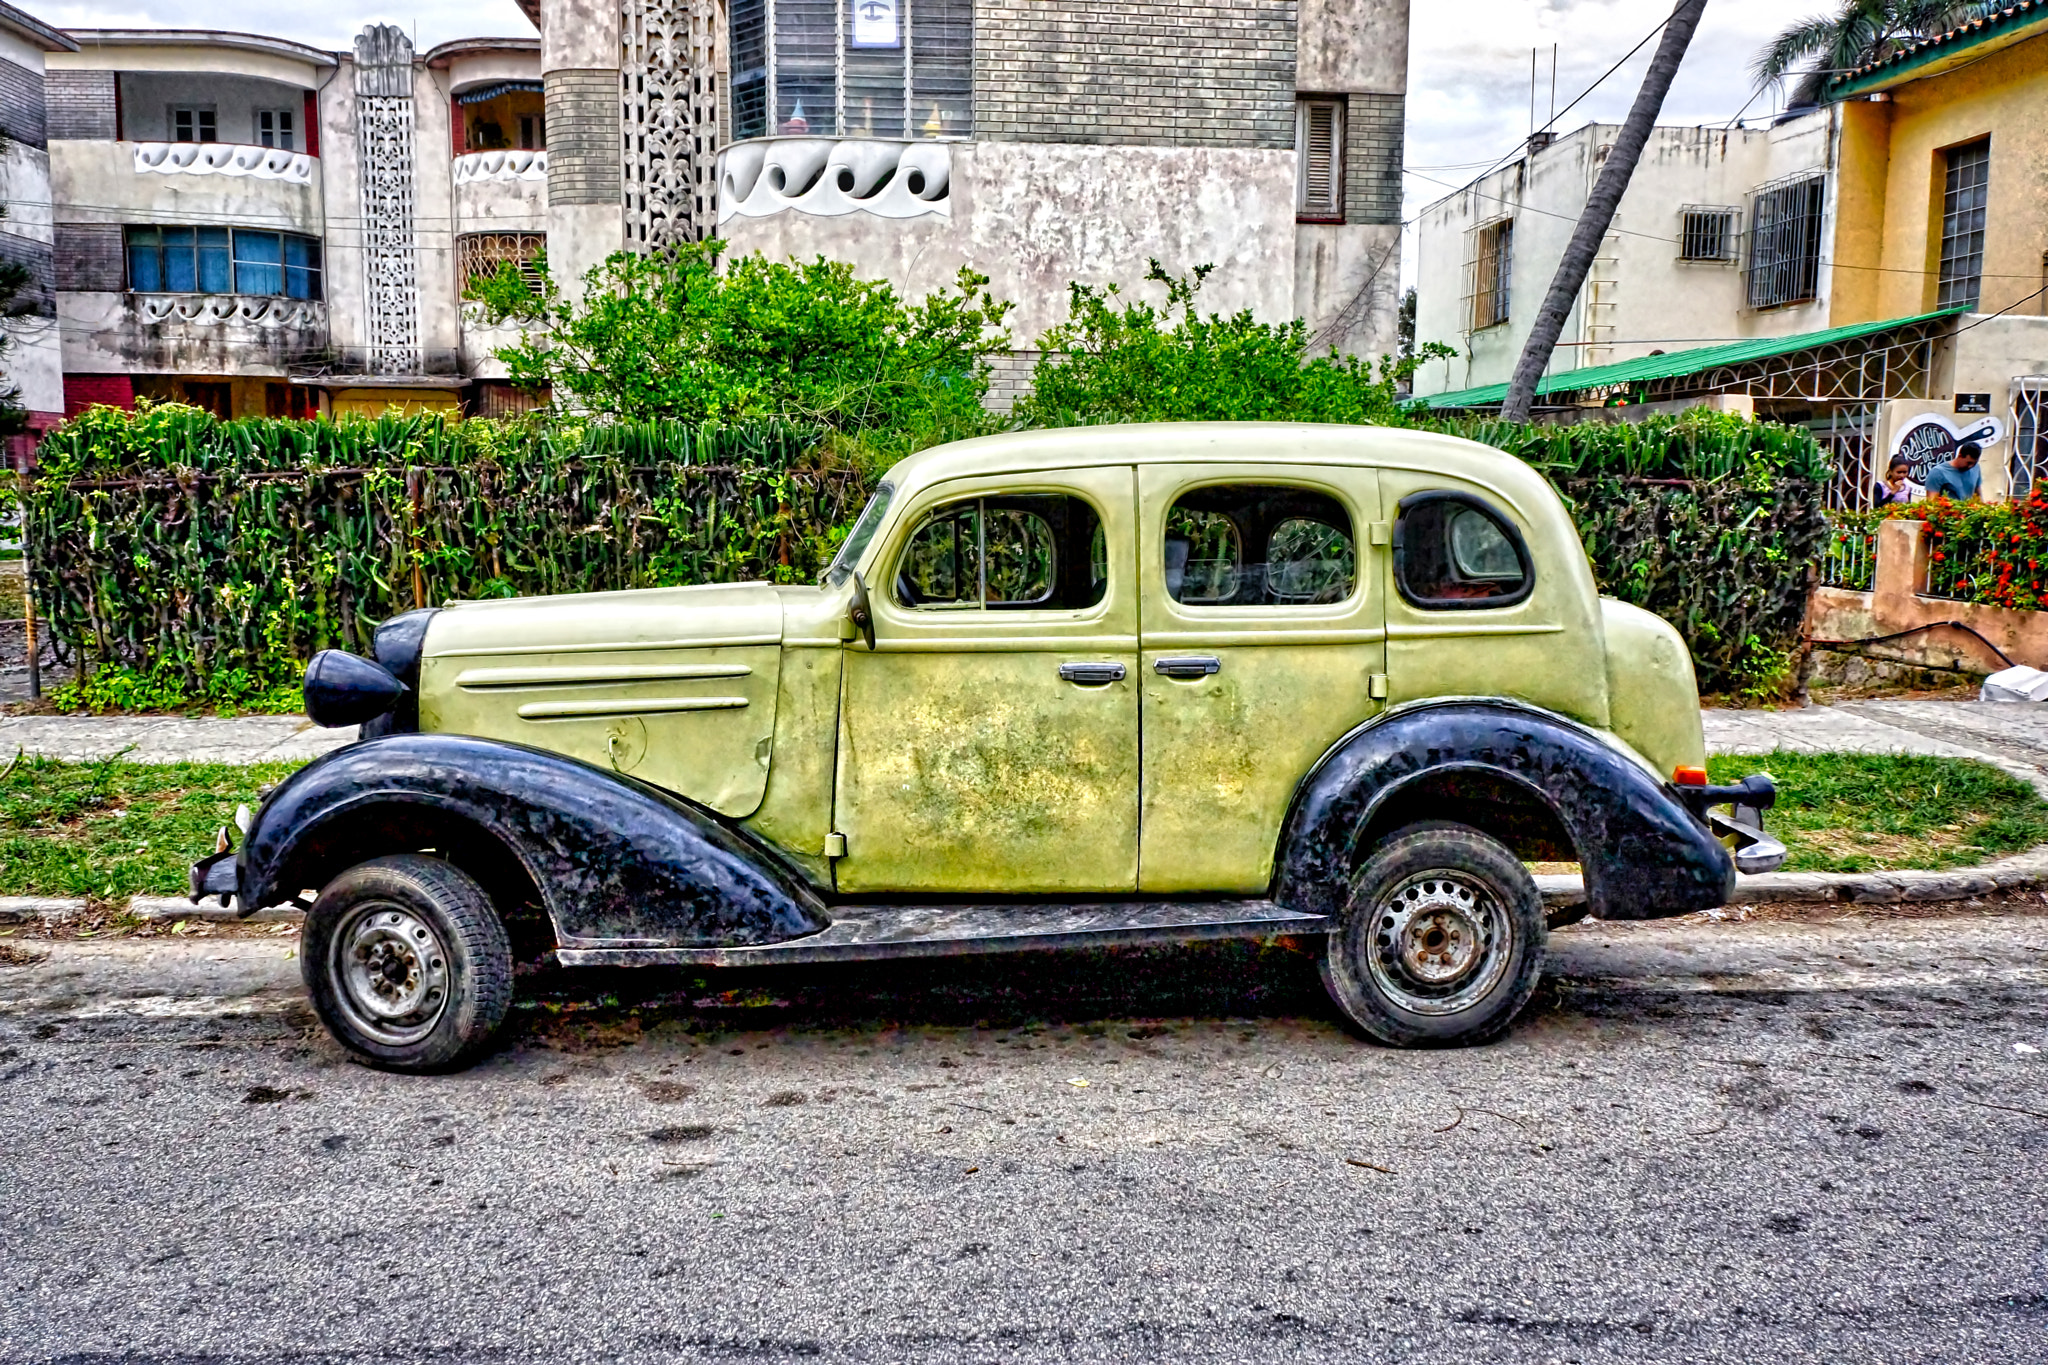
[
  {"x": 1960, "y": 569},
  {"x": 1849, "y": 558}
]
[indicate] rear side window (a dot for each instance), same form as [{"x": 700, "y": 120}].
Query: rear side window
[
  {"x": 1015, "y": 552},
  {"x": 1454, "y": 551},
  {"x": 1247, "y": 544}
]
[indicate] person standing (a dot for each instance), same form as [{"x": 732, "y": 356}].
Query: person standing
[
  {"x": 1959, "y": 479},
  {"x": 1897, "y": 485}
]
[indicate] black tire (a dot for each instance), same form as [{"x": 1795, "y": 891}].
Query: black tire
[
  {"x": 407, "y": 963},
  {"x": 1441, "y": 941}
]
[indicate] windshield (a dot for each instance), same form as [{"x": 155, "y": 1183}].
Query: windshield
[{"x": 841, "y": 567}]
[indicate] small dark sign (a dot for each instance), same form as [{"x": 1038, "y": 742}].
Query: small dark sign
[{"x": 1973, "y": 402}]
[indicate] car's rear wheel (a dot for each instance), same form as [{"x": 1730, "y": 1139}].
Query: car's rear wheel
[
  {"x": 407, "y": 963},
  {"x": 1441, "y": 941}
]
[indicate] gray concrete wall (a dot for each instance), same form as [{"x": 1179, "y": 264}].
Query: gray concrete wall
[
  {"x": 1145, "y": 72},
  {"x": 1348, "y": 46},
  {"x": 1347, "y": 286}
]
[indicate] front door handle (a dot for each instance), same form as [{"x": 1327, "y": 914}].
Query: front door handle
[
  {"x": 1092, "y": 675},
  {"x": 1190, "y": 666}
]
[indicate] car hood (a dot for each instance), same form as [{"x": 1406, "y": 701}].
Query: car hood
[{"x": 592, "y": 622}]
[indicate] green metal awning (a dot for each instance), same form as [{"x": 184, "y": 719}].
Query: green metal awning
[{"x": 1678, "y": 364}]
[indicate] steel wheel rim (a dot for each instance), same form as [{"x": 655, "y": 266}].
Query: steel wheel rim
[
  {"x": 1438, "y": 943},
  {"x": 390, "y": 973}
]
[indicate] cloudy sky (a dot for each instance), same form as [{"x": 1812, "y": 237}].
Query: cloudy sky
[{"x": 1468, "y": 73}]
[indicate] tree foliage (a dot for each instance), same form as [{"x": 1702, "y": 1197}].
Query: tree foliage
[
  {"x": 1856, "y": 34},
  {"x": 1123, "y": 360},
  {"x": 672, "y": 336}
]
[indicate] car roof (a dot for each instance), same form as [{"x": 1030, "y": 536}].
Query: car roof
[{"x": 1278, "y": 443}]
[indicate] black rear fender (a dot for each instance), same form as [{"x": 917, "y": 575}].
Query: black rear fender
[
  {"x": 611, "y": 860},
  {"x": 1545, "y": 786}
]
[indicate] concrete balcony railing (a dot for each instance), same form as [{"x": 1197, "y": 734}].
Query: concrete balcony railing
[
  {"x": 252, "y": 310},
  {"x": 211, "y": 334},
  {"x": 223, "y": 158},
  {"x": 830, "y": 177},
  {"x": 504, "y": 164}
]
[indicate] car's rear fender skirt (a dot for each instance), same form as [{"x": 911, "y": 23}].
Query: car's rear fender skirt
[
  {"x": 611, "y": 859},
  {"x": 1500, "y": 763}
]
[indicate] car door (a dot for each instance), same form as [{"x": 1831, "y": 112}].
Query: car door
[
  {"x": 1263, "y": 642},
  {"x": 989, "y": 740}
]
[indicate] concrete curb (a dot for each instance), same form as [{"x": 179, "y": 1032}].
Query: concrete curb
[
  {"x": 156, "y": 909},
  {"x": 2022, "y": 872}
]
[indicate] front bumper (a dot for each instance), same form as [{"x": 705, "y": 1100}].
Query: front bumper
[
  {"x": 1742, "y": 825},
  {"x": 215, "y": 875}
]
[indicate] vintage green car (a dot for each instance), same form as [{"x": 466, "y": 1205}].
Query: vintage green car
[{"x": 1059, "y": 689}]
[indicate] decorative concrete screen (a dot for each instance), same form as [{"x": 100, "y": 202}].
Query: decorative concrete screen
[
  {"x": 385, "y": 126},
  {"x": 852, "y": 68},
  {"x": 669, "y": 119},
  {"x": 833, "y": 176}
]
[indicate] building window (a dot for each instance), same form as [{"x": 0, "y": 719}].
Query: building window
[
  {"x": 1706, "y": 233},
  {"x": 1963, "y": 198},
  {"x": 533, "y": 132},
  {"x": 502, "y": 115},
  {"x": 1493, "y": 269},
  {"x": 857, "y": 68},
  {"x": 1319, "y": 161},
  {"x": 274, "y": 129},
  {"x": 480, "y": 254},
  {"x": 1784, "y": 243},
  {"x": 194, "y": 123},
  {"x": 183, "y": 260},
  {"x": 290, "y": 400}
]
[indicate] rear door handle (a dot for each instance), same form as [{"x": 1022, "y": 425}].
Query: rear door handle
[
  {"x": 1192, "y": 666},
  {"x": 1092, "y": 675}
]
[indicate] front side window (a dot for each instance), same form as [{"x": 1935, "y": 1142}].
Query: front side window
[
  {"x": 1016, "y": 552},
  {"x": 185, "y": 260},
  {"x": 856, "y": 543},
  {"x": 1237, "y": 545},
  {"x": 1453, "y": 551},
  {"x": 1966, "y": 189}
]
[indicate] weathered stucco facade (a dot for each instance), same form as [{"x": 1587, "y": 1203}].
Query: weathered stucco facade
[
  {"x": 254, "y": 225},
  {"x": 31, "y": 359}
]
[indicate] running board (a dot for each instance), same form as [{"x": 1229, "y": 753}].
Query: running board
[{"x": 879, "y": 931}]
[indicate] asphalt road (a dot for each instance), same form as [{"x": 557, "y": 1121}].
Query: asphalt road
[{"x": 1706, "y": 1142}]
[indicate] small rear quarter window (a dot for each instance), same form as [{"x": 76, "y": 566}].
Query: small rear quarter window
[{"x": 1455, "y": 551}]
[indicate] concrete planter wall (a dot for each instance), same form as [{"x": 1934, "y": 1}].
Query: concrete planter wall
[{"x": 1897, "y": 602}]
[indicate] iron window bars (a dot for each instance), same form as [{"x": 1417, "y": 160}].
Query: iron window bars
[
  {"x": 1493, "y": 268},
  {"x": 1784, "y": 243},
  {"x": 1707, "y": 232},
  {"x": 479, "y": 254},
  {"x": 1965, "y": 191}
]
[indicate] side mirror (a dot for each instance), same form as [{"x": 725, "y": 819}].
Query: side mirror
[{"x": 863, "y": 616}]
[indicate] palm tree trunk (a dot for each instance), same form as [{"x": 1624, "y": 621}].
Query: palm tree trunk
[{"x": 1599, "y": 210}]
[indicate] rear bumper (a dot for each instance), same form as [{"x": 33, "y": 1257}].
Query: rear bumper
[
  {"x": 1742, "y": 825},
  {"x": 215, "y": 875}
]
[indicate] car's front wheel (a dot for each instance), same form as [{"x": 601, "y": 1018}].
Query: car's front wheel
[
  {"x": 407, "y": 963},
  {"x": 1441, "y": 942}
]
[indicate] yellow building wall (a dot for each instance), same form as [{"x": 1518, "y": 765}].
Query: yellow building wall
[
  {"x": 406, "y": 402},
  {"x": 1888, "y": 245}
]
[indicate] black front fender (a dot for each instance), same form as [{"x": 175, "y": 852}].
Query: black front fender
[
  {"x": 1644, "y": 854},
  {"x": 615, "y": 861}
]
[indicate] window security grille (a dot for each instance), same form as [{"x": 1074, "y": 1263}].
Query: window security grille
[
  {"x": 2028, "y": 459},
  {"x": 479, "y": 254},
  {"x": 862, "y": 68},
  {"x": 1964, "y": 194},
  {"x": 1706, "y": 233},
  {"x": 1493, "y": 273},
  {"x": 1784, "y": 244},
  {"x": 194, "y": 124},
  {"x": 1319, "y": 155},
  {"x": 274, "y": 128}
]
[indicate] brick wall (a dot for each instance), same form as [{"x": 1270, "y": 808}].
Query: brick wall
[
  {"x": 1009, "y": 378},
  {"x": 1198, "y": 74},
  {"x": 36, "y": 298},
  {"x": 21, "y": 105},
  {"x": 1372, "y": 158},
  {"x": 82, "y": 104},
  {"x": 583, "y": 137},
  {"x": 88, "y": 256},
  {"x": 82, "y": 391}
]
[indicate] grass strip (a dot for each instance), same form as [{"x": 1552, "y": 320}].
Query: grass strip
[
  {"x": 110, "y": 829},
  {"x": 1891, "y": 812}
]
